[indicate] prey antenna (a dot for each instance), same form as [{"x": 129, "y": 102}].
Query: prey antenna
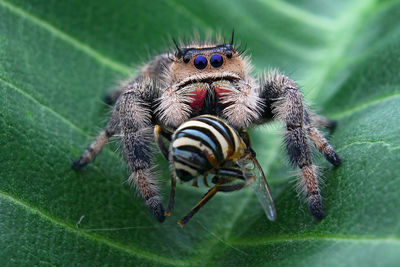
[{"x": 233, "y": 36}]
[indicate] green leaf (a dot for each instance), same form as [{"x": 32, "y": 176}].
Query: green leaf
[{"x": 59, "y": 58}]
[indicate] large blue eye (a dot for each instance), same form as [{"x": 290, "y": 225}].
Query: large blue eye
[
  {"x": 216, "y": 60},
  {"x": 200, "y": 62}
]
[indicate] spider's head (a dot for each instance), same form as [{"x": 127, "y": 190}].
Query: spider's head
[{"x": 206, "y": 64}]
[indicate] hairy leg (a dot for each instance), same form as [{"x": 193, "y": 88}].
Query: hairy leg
[
  {"x": 153, "y": 71},
  {"x": 284, "y": 101},
  {"x": 137, "y": 137},
  {"x": 315, "y": 121},
  {"x": 95, "y": 148},
  {"x": 320, "y": 121},
  {"x": 323, "y": 146}
]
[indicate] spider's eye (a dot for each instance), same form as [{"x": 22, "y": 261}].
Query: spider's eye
[
  {"x": 216, "y": 60},
  {"x": 186, "y": 59},
  {"x": 229, "y": 54},
  {"x": 200, "y": 62}
]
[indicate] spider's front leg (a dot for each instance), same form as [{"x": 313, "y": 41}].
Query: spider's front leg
[
  {"x": 137, "y": 137},
  {"x": 284, "y": 101}
]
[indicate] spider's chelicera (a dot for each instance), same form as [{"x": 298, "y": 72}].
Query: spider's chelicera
[{"x": 209, "y": 79}]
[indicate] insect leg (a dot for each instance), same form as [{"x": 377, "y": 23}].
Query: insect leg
[
  {"x": 213, "y": 191},
  {"x": 225, "y": 175},
  {"x": 201, "y": 203},
  {"x": 159, "y": 133},
  {"x": 173, "y": 190}
]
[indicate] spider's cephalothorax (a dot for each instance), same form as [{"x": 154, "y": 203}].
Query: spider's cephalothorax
[
  {"x": 209, "y": 79},
  {"x": 216, "y": 80}
]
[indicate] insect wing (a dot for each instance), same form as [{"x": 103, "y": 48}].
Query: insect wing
[{"x": 254, "y": 175}]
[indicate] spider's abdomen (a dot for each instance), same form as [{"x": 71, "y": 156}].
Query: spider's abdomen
[{"x": 202, "y": 144}]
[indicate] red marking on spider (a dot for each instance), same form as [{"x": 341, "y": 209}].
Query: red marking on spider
[
  {"x": 198, "y": 95},
  {"x": 222, "y": 94}
]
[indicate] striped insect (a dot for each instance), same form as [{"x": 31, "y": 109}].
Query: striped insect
[{"x": 206, "y": 145}]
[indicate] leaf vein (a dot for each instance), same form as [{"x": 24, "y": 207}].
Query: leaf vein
[
  {"x": 333, "y": 238},
  {"x": 188, "y": 13},
  {"x": 102, "y": 59},
  {"x": 384, "y": 142},
  {"x": 121, "y": 247},
  {"x": 354, "y": 109},
  {"x": 299, "y": 14}
]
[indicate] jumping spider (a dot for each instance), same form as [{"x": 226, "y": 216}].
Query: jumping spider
[{"x": 209, "y": 79}]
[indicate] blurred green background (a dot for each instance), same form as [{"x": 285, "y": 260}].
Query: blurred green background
[{"x": 59, "y": 58}]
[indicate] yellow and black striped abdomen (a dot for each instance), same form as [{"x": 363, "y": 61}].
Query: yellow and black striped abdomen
[{"x": 202, "y": 144}]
